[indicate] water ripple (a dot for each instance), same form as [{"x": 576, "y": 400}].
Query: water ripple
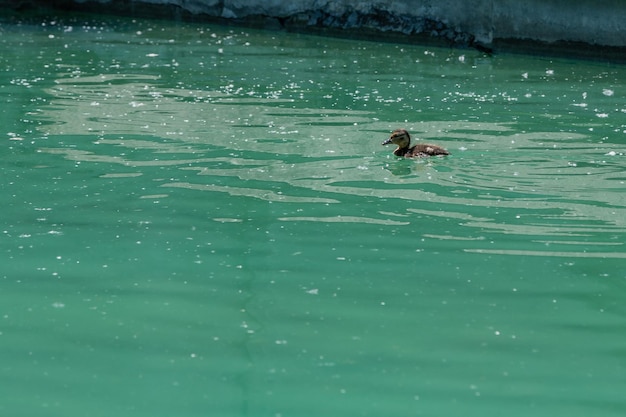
[
  {"x": 501, "y": 179},
  {"x": 602, "y": 255},
  {"x": 261, "y": 194},
  {"x": 343, "y": 219}
]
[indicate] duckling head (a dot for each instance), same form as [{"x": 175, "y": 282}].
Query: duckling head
[{"x": 399, "y": 137}]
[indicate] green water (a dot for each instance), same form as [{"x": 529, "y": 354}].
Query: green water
[{"x": 201, "y": 221}]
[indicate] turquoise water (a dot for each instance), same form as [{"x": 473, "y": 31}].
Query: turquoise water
[{"x": 200, "y": 220}]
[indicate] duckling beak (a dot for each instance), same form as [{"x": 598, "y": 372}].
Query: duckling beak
[{"x": 387, "y": 142}]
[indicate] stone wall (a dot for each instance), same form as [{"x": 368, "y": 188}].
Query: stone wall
[
  {"x": 468, "y": 22},
  {"x": 595, "y": 22}
]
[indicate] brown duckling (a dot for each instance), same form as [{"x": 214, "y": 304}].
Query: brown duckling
[{"x": 401, "y": 138}]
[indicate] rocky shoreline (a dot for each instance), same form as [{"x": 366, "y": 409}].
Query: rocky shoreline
[{"x": 584, "y": 27}]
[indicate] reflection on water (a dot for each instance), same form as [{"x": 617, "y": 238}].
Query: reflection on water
[{"x": 212, "y": 206}]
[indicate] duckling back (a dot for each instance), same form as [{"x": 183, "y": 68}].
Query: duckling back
[{"x": 423, "y": 150}]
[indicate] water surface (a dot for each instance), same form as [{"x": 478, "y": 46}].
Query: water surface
[{"x": 200, "y": 220}]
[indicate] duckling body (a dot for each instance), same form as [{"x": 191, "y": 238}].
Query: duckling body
[{"x": 402, "y": 138}]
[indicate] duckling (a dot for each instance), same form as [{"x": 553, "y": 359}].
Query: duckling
[{"x": 401, "y": 138}]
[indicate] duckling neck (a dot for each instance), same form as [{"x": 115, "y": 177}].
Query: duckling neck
[{"x": 401, "y": 151}]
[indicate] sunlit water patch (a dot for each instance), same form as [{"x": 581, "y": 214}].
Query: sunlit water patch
[
  {"x": 542, "y": 182},
  {"x": 212, "y": 208}
]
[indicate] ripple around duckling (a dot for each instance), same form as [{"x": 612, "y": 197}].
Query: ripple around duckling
[{"x": 528, "y": 198}]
